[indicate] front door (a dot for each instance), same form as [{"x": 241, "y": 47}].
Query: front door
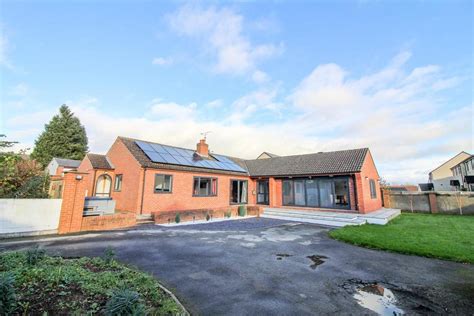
[{"x": 262, "y": 192}]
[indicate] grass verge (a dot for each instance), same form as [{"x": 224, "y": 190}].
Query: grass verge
[
  {"x": 438, "y": 236},
  {"x": 43, "y": 284}
]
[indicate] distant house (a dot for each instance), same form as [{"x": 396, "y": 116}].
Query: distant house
[
  {"x": 442, "y": 176},
  {"x": 463, "y": 174},
  {"x": 266, "y": 155},
  {"x": 58, "y": 165},
  {"x": 403, "y": 188},
  {"x": 149, "y": 178}
]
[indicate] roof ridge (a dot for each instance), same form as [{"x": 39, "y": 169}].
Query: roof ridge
[{"x": 316, "y": 153}]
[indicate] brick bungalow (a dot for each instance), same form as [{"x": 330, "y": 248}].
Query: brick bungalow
[{"x": 150, "y": 178}]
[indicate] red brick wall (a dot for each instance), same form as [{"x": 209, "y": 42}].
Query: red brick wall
[
  {"x": 106, "y": 222},
  {"x": 369, "y": 171},
  {"x": 128, "y": 199},
  {"x": 182, "y": 196}
]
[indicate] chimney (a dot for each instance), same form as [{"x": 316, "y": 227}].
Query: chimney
[{"x": 202, "y": 148}]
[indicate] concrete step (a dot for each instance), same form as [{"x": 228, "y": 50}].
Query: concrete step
[
  {"x": 142, "y": 221},
  {"x": 323, "y": 218}
]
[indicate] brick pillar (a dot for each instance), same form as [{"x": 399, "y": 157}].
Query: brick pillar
[
  {"x": 433, "y": 203},
  {"x": 359, "y": 193},
  {"x": 272, "y": 192},
  {"x": 72, "y": 207}
]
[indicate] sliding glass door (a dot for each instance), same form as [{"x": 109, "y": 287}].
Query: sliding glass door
[{"x": 323, "y": 192}]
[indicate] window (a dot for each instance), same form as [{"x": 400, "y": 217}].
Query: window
[
  {"x": 103, "y": 186},
  {"x": 238, "y": 191},
  {"x": 205, "y": 186},
  {"x": 373, "y": 190},
  {"x": 163, "y": 183},
  {"x": 118, "y": 183}
]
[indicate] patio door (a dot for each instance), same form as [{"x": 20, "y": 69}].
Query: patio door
[
  {"x": 326, "y": 193},
  {"x": 300, "y": 194},
  {"x": 262, "y": 192}
]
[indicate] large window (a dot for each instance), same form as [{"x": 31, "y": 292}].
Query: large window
[
  {"x": 324, "y": 192},
  {"x": 373, "y": 191},
  {"x": 262, "y": 192},
  {"x": 118, "y": 183},
  {"x": 103, "y": 186},
  {"x": 205, "y": 186},
  {"x": 163, "y": 183},
  {"x": 238, "y": 191}
]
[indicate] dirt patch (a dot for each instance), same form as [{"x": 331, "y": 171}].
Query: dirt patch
[{"x": 317, "y": 260}]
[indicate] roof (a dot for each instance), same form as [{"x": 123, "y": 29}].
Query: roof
[
  {"x": 71, "y": 163},
  {"x": 268, "y": 154},
  {"x": 335, "y": 162},
  {"x": 463, "y": 161},
  {"x": 146, "y": 162},
  {"x": 323, "y": 163},
  {"x": 99, "y": 161},
  {"x": 461, "y": 153}
]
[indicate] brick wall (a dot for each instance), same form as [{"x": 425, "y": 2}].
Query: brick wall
[
  {"x": 369, "y": 171},
  {"x": 182, "y": 197},
  {"x": 128, "y": 199},
  {"x": 201, "y": 214},
  {"x": 72, "y": 207},
  {"x": 107, "y": 222}
]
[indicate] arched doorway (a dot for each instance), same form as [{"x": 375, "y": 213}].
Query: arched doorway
[{"x": 103, "y": 186}]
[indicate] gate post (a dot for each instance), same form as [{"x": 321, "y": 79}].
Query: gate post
[{"x": 72, "y": 207}]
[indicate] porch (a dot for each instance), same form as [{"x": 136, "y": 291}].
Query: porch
[{"x": 331, "y": 217}]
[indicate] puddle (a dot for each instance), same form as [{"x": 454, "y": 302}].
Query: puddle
[
  {"x": 378, "y": 299},
  {"x": 317, "y": 260},
  {"x": 280, "y": 256}
]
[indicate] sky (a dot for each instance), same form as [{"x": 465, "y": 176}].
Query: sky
[{"x": 287, "y": 77}]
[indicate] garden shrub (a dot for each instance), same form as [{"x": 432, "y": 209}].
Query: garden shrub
[
  {"x": 109, "y": 255},
  {"x": 242, "y": 210},
  {"x": 125, "y": 302},
  {"x": 228, "y": 214},
  {"x": 177, "y": 218},
  {"x": 34, "y": 255},
  {"x": 7, "y": 294},
  {"x": 208, "y": 217}
]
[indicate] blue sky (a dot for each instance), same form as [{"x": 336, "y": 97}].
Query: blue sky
[{"x": 279, "y": 76}]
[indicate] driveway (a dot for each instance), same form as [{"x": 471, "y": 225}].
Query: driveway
[{"x": 261, "y": 266}]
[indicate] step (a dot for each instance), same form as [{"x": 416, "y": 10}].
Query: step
[
  {"x": 142, "y": 221},
  {"x": 344, "y": 217},
  {"x": 320, "y": 221}
]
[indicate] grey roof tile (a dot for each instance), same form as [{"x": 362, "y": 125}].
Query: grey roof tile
[
  {"x": 71, "y": 163},
  {"x": 99, "y": 161}
]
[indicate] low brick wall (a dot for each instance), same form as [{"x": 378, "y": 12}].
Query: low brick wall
[
  {"x": 106, "y": 222},
  {"x": 201, "y": 214}
]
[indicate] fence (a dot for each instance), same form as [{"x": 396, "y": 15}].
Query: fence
[
  {"x": 22, "y": 217},
  {"x": 430, "y": 202}
]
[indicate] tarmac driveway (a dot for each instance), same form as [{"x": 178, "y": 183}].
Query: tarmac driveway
[{"x": 261, "y": 266}]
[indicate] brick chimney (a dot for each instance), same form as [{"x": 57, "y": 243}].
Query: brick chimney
[{"x": 202, "y": 148}]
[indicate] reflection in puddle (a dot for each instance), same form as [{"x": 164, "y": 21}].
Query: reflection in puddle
[
  {"x": 378, "y": 299},
  {"x": 317, "y": 260},
  {"x": 280, "y": 256}
]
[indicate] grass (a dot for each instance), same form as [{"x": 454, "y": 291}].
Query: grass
[
  {"x": 447, "y": 237},
  {"x": 78, "y": 286}
]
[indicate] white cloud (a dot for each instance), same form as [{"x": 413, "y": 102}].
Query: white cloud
[
  {"x": 259, "y": 76},
  {"x": 161, "y": 61},
  {"x": 4, "y": 48},
  {"x": 221, "y": 32},
  {"x": 394, "y": 111},
  {"x": 20, "y": 90}
]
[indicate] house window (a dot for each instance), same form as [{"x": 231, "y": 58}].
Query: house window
[
  {"x": 373, "y": 191},
  {"x": 238, "y": 191},
  {"x": 205, "y": 186},
  {"x": 103, "y": 186},
  {"x": 118, "y": 183},
  {"x": 163, "y": 183}
]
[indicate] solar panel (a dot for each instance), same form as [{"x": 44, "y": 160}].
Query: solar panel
[{"x": 185, "y": 157}]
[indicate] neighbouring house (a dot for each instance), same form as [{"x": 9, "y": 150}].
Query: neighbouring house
[
  {"x": 56, "y": 169},
  {"x": 442, "y": 176},
  {"x": 58, "y": 165},
  {"x": 463, "y": 174},
  {"x": 402, "y": 188},
  {"x": 266, "y": 155},
  {"x": 146, "y": 178}
]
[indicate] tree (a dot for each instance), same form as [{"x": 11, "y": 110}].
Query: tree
[
  {"x": 20, "y": 177},
  {"x": 63, "y": 137}
]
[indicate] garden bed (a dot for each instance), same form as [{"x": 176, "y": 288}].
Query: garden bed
[
  {"x": 439, "y": 236},
  {"x": 34, "y": 283}
]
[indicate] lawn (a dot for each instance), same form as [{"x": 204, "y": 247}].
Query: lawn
[
  {"x": 448, "y": 237},
  {"x": 34, "y": 283}
]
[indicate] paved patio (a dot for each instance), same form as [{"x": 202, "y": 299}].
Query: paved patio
[{"x": 261, "y": 266}]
